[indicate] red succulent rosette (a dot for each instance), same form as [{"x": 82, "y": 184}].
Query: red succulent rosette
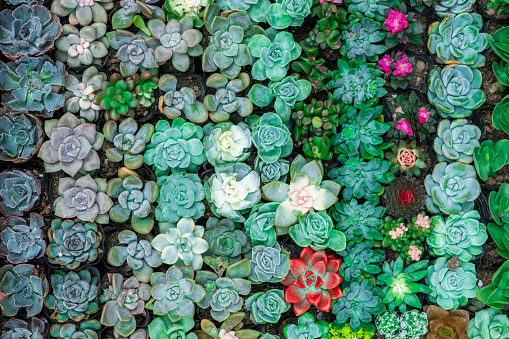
[{"x": 313, "y": 280}]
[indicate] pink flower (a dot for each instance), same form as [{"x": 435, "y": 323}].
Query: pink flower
[
  {"x": 423, "y": 115},
  {"x": 398, "y": 231},
  {"x": 422, "y": 221},
  {"x": 398, "y": 109},
  {"x": 415, "y": 253},
  {"x": 333, "y": 1},
  {"x": 396, "y": 21},
  {"x": 403, "y": 66},
  {"x": 385, "y": 64},
  {"x": 404, "y": 126}
]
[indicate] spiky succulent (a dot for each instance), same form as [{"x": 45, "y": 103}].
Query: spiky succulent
[
  {"x": 404, "y": 197},
  {"x": 88, "y": 329},
  {"x": 267, "y": 307},
  {"x": 226, "y": 240},
  {"x": 271, "y": 137},
  {"x": 22, "y": 240},
  {"x": 268, "y": 264},
  {"x": 361, "y": 261},
  {"x": 360, "y": 40},
  {"x": 21, "y": 136},
  {"x": 17, "y": 329},
  {"x": 83, "y": 12},
  {"x": 18, "y": 192},
  {"x": 359, "y": 221},
  {"x": 456, "y": 141},
  {"x": 82, "y": 47},
  {"x": 307, "y": 327},
  {"x": 407, "y": 158},
  {"x": 284, "y": 13},
  {"x": 32, "y": 84}
]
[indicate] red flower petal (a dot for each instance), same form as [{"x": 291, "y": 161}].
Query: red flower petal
[
  {"x": 298, "y": 267},
  {"x": 301, "y": 307},
  {"x": 319, "y": 267},
  {"x": 294, "y": 294},
  {"x": 319, "y": 282},
  {"x": 333, "y": 265},
  {"x": 325, "y": 303},
  {"x": 314, "y": 296},
  {"x": 336, "y": 293},
  {"x": 318, "y": 256},
  {"x": 306, "y": 253},
  {"x": 331, "y": 280},
  {"x": 299, "y": 282}
]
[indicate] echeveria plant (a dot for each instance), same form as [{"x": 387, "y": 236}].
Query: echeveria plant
[
  {"x": 226, "y": 143},
  {"x": 268, "y": 264},
  {"x": 21, "y": 136},
  {"x": 372, "y": 9},
  {"x": 18, "y": 192},
  {"x": 17, "y": 328},
  {"x": 270, "y": 137},
  {"x": 226, "y": 240},
  {"x": 360, "y": 261},
  {"x": 488, "y": 323},
  {"x": 316, "y": 230},
  {"x": 83, "y": 12},
  {"x": 82, "y": 47},
  {"x": 274, "y": 171},
  {"x": 442, "y": 323},
  {"x": 456, "y": 140},
  {"x": 267, "y": 307},
  {"x": 257, "y": 9},
  {"x": 87, "y": 329},
  {"x": 407, "y": 158},
  {"x": 260, "y": 224},
  {"x": 361, "y": 40},
  {"x": 130, "y": 11},
  {"x": 284, "y": 13},
  {"x": 22, "y": 240},
  {"x": 231, "y": 328},
  {"x": 307, "y": 327}
]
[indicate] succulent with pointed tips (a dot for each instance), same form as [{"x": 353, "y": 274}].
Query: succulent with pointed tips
[
  {"x": 22, "y": 240},
  {"x": 18, "y": 192},
  {"x": 21, "y": 136}
]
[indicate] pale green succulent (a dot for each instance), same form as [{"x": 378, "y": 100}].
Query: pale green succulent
[
  {"x": 456, "y": 140},
  {"x": 226, "y": 143},
  {"x": 271, "y": 137},
  {"x": 274, "y": 171},
  {"x": 269, "y": 264},
  {"x": 260, "y": 224},
  {"x": 316, "y": 230},
  {"x": 446, "y": 8},
  {"x": 361, "y": 40},
  {"x": 83, "y": 12},
  {"x": 267, "y": 307},
  {"x": 489, "y": 324},
  {"x": 226, "y": 240}
]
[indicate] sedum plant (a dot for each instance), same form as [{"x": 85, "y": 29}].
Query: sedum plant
[
  {"x": 267, "y": 307},
  {"x": 271, "y": 137},
  {"x": 32, "y": 85},
  {"x": 274, "y": 171},
  {"x": 73, "y": 297},
  {"x": 490, "y": 157},
  {"x": 18, "y": 192},
  {"x": 495, "y": 295},
  {"x": 316, "y": 230},
  {"x": 257, "y": 9},
  {"x": 464, "y": 45},
  {"x": 17, "y": 328},
  {"x": 452, "y": 283},
  {"x": 82, "y": 47},
  {"x": 451, "y": 188},
  {"x": 123, "y": 299},
  {"x": 284, "y": 13},
  {"x": 117, "y": 97},
  {"x": 232, "y": 327},
  {"x": 326, "y": 34},
  {"x": 181, "y": 243},
  {"x": 21, "y": 239},
  {"x": 268, "y": 264},
  {"x": 407, "y": 159},
  {"x": 72, "y": 147},
  {"x": 83, "y": 12},
  {"x": 401, "y": 27},
  {"x": 73, "y": 243},
  {"x": 175, "y": 147},
  {"x": 21, "y": 136},
  {"x": 227, "y": 99},
  {"x": 28, "y": 30},
  {"x": 410, "y": 325},
  {"x": 226, "y": 143},
  {"x": 360, "y": 261},
  {"x": 226, "y": 241},
  {"x": 488, "y": 323},
  {"x": 137, "y": 253},
  {"x": 307, "y": 327},
  {"x": 361, "y": 40},
  {"x": 80, "y": 91},
  {"x": 87, "y": 329},
  {"x": 448, "y": 324},
  {"x": 260, "y": 224},
  {"x": 446, "y": 8},
  {"x": 84, "y": 199},
  {"x": 455, "y": 90},
  {"x": 312, "y": 68}
]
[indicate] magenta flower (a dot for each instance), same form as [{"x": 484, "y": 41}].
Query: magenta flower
[
  {"x": 403, "y": 66},
  {"x": 404, "y": 126},
  {"x": 385, "y": 64},
  {"x": 396, "y": 21},
  {"x": 423, "y": 115}
]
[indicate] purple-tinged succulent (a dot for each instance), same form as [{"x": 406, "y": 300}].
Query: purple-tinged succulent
[
  {"x": 21, "y": 241},
  {"x": 83, "y": 12},
  {"x": 18, "y": 192},
  {"x": 86, "y": 330},
  {"x": 82, "y": 47},
  {"x": 72, "y": 146},
  {"x": 83, "y": 199},
  {"x": 21, "y": 136},
  {"x": 19, "y": 329}
]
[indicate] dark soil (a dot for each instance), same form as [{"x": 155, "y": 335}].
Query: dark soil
[
  {"x": 491, "y": 256},
  {"x": 491, "y": 86},
  {"x": 493, "y": 12},
  {"x": 108, "y": 168}
]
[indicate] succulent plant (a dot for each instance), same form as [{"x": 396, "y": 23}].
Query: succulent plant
[
  {"x": 490, "y": 157},
  {"x": 451, "y": 188},
  {"x": 117, "y": 97},
  {"x": 360, "y": 40},
  {"x": 82, "y": 47},
  {"x": 498, "y": 204},
  {"x": 361, "y": 133},
  {"x": 328, "y": 8},
  {"x": 88, "y": 329},
  {"x": 162, "y": 327},
  {"x": 372, "y": 9},
  {"x": 284, "y": 13},
  {"x": 495, "y": 295},
  {"x": 257, "y": 9},
  {"x": 267, "y": 307},
  {"x": 316, "y": 230},
  {"x": 227, "y": 100},
  {"x": 407, "y": 159},
  {"x": 499, "y": 116},
  {"x": 73, "y": 243},
  {"x": 21, "y": 136},
  {"x": 319, "y": 287},
  {"x": 411, "y": 325},
  {"x": 145, "y": 84},
  {"x": 32, "y": 85},
  {"x": 357, "y": 83},
  {"x": 181, "y": 243},
  {"x": 307, "y": 327},
  {"x": 361, "y": 301},
  {"x": 225, "y": 240},
  {"x": 272, "y": 55},
  {"x": 18, "y": 192},
  {"x": 73, "y": 295},
  {"x": 359, "y": 221},
  {"x": 231, "y": 328},
  {"x": 499, "y": 43},
  {"x": 401, "y": 27},
  {"x": 487, "y": 324},
  {"x": 139, "y": 254},
  {"x": 180, "y": 196},
  {"x": 22, "y": 240},
  {"x": 455, "y": 90},
  {"x": 446, "y": 324},
  {"x": 268, "y": 264},
  {"x": 347, "y": 332},
  {"x": 270, "y": 137},
  {"x": 226, "y": 143},
  {"x": 17, "y": 329},
  {"x": 446, "y": 8},
  {"x": 83, "y": 12},
  {"x": 452, "y": 283},
  {"x": 80, "y": 91},
  {"x": 285, "y": 92},
  {"x": 360, "y": 261},
  {"x": 84, "y": 199},
  {"x": 177, "y": 40},
  {"x": 72, "y": 147},
  {"x": 224, "y": 294},
  {"x": 404, "y": 197},
  {"x": 274, "y": 171},
  {"x": 226, "y": 50},
  {"x": 260, "y": 224},
  {"x": 312, "y": 68},
  {"x": 123, "y": 299},
  {"x": 307, "y": 192},
  {"x": 175, "y": 102},
  {"x": 232, "y": 190},
  {"x": 446, "y": 46},
  {"x": 362, "y": 179},
  {"x": 28, "y": 30}
]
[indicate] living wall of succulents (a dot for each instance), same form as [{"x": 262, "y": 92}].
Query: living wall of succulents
[{"x": 243, "y": 169}]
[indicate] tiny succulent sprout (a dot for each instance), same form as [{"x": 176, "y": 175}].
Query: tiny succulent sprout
[
  {"x": 267, "y": 307},
  {"x": 272, "y": 56},
  {"x": 123, "y": 299},
  {"x": 226, "y": 241},
  {"x": 284, "y": 13},
  {"x": 487, "y": 324},
  {"x": 83, "y": 12},
  {"x": 455, "y": 90},
  {"x": 268, "y": 264},
  {"x": 80, "y": 91},
  {"x": 259, "y": 225},
  {"x": 316, "y": 230},
  {"x": 232, "y": 190},
  {"x": 22, "y": 287},
  {"x": 177, "y": 40},
  {"x": 82, "y": 47},
  {"x": 181, "y": 243},
  {"x": 74, "y": 295},
  {"x": 28, "y": 30},
  {"x": 17, "y": 328},
  {"x": 448, "y": 8},
  {"x": 226, "y": 50},
  {"x": 227, "y": 98},
  {"x": 72, "y": 147},
  {"x": 307, "y": 327},
  {"x": 231, "y": 328},
  {"x": 227, "y": 143},
  {"x": 175, "y": 293},
  {"x": 128, "y": 140},
  {"x": 410, "y": 325},
  {"x": 270, "y": 137},
  {"x": 138, "y": 253},
  {"x": 257, "y": 9},
  {"x": 407, "y": 158},
  {"x": 444, "y": 40},
  {"x": 21, "y": 136},
  {"x": 175, "y": 147},
  {"x": 22, "y": 240},
  {"x": 175, "y": 102},
  {"x": 442, "y": 323},
  {"x": 73, "y": 243},
  {"x": 401, "y": 27},
  {"x": 456, "y": 140},
  {"x": 18, "y": 192},
  {"x": 124, "y": 17},
  {"x": 32, "y": 85},
  {"x": 361, "y": 40},
  {"x": 84, "y": 199},
  {"x": 88, "y": 329},
  {"x": 490, "y": 157}
]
